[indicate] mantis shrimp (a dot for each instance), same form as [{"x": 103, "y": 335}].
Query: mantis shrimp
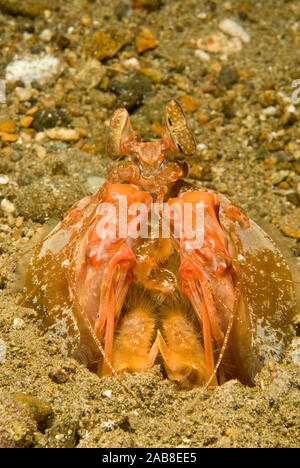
[{"x": 152, "y": 268}]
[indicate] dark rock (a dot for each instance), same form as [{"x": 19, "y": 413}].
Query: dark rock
[
  {"x": 149, "y": 5},
  {"x": 131, "y": 90},
  {"x": 59, "y": 168},
  {"x": 49, "y": 118},
  {"x": 228, "y": 109},
  {"x": 228, "y": 76},
  {"x": 294, "y": 198},
  {"x": 59, "y": 375},
  {"x": 62, "y": 41}
]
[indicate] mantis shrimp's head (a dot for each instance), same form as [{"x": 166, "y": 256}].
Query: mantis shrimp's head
[{"x": 176, "y": 138}]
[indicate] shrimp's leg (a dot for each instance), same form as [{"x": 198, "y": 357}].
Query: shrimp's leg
[
  {"x": 133, "y": 340},
  {"x": 181, "y": 350}
]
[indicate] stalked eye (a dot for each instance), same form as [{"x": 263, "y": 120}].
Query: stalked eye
[
  {"x": 119, "y": 129},
  {"x": 182, "y": 138}
]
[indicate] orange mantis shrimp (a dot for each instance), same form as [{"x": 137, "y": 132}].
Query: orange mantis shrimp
[{"x": 136, "y": 278}]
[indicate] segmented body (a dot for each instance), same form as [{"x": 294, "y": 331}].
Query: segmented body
[{"x": 208, "y": 312}]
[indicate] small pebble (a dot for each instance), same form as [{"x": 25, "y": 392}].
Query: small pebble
[
  {"x": 40, "y": 136},
  {"x": 279, "y": 176},
  {"x": 40, "y": 151},
  {"x": 9, "y": 138},
  {"x": 153, "y": 73},
  {"x": 149, "y": 5},
  {"x": 131, "y": 90},
  {"x": 4, "y": 179},
  {"x": 46, "y": 35},
  {"x": 47, "y": 14},
  {"x": 201, "y": 147},
  {"x": 283, "y": 156},
  {"x": 232, "y": 28},
  {"x": 26, "y": 121},
  {"x": 200, "y": 54},
  {"x": 289, "y": 232},
  {"x": 107, "y": 393},
  {"x": 145, "y": 40},
  {"x": 271, "y": 110},
  {"x": 90, "y": 74},
  {"x": 7, "y": 206},
  {"x": 202, "y": 15},
  {"x": 59, "y": 375},
  {"x": 48, "y": 117},
  {"x": 189, "y": 103},
  {"x": 63, "y": 134},
  {"x": 228, "y": 76},
  {"x": 105, "y": 44},
  {"x": 202, "y": 118},
  {"x": 19, "y": 221},
  {"x": 18, "y": 324},
  {"x": 293, "y": 197},
  {"x": 290, "y": 115},
  {"x": 8, "y": 126},
  {"x": 25, "y": 138},
  {"x": 86, "y": 20},
  {"x": 24, "y": 94},
  {"x": 131, "y": 64}
]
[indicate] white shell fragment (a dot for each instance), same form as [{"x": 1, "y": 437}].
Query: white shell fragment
[
  {"x": 4, "y": 179},
  {"x": 200, "y": 54},
  {"x": 18, "y": 324},
  {"x": 132, "y": 64},
  {"x": 7, "y": 206},
  {"x": 46, "y": 35},
  {"x": 232, "y": 28},
  {"x": 41, "y": 68},
  {"x": 219, "y": 43}
]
